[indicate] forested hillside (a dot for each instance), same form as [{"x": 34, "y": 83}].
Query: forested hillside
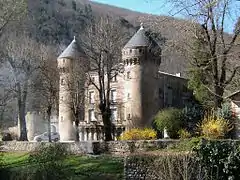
[{"x": 59, "y": 20}]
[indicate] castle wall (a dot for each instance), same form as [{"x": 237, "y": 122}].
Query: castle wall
[{"x": 35, "y": 124}]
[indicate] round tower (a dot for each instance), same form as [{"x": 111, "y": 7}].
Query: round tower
[
  {"x": 65, "y": 66},
  {"x": 140, "y": 83}
]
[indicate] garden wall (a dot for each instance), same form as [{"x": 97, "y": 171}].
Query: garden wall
[{"x": 88, "y": 147}]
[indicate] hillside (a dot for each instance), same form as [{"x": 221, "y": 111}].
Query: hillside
[{"x": 59, "y": 20}]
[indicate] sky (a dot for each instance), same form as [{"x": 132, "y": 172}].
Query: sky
[
  {"x": 157, "y": 7},
  {"x": 160, "y": 7}
]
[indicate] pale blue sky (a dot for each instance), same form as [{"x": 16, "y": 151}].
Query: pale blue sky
[
  {"x": 159, "y": 7},
  {"x": 147, "y": 6}
]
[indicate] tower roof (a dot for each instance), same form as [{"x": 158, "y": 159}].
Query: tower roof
[
  {"x": 72, "y": 51},
  {"x": 139, "y": 39}
]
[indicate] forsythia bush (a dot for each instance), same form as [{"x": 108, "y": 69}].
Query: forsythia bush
[
  {"x": 214, "y": 127},
  {"x": 139, "y": 134}
]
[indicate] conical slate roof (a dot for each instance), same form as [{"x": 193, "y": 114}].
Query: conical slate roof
[
  {"x": 139, "y": 39},
  {"x": 73, "y": 51}
]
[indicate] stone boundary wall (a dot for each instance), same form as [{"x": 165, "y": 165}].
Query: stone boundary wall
[
  {"x": 24, "y": 146},
  {"x": 93, "y": 147}
]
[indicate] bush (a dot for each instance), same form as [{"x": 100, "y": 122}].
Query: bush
[
  {"x": 192, "y": 114},
  {"x": 187, "y": 144},
  {"x": 214, "y": 127},
  {"x": 184, "y": 134},
  {"x": 170, "y": 166},
  {"x": 139, "y": 134},
  {"x": 220, "y": 159},
  {"x": 7, "y": 137},
  {"x": 47, "y": 162},
  {"x": 171, "y": 119}
]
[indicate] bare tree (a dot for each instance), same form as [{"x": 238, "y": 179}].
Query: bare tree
[
  {"x": 47, "y": 82},
  {"x": 104, "y": 40},
  {"x": 11, "y": 10},
  {"x": 20, "y": 55},
  {"x": 207, "y": 23},
  {"x": 77, "y": 93}
]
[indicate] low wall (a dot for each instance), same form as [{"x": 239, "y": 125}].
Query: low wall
[
  {"x": 97, "y": 147},
  {"x": 19, "y": 146},
  {"x": 127, "y": 147}
]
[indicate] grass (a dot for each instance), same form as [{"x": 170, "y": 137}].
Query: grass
[{"x": 81, "y": 167}]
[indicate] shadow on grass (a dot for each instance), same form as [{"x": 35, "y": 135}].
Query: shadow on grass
[{"x": 76, "y": 167}]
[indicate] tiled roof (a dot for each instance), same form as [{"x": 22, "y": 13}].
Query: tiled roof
[
  {"x": 138, "y": 40},
  {"x": 73, "y": 51}
]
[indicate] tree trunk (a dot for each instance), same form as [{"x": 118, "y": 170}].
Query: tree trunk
[
  {"x": 22, "y": 123},
  {"x": 49, "y": 111},
  {"x": 218, "y": 98},
  {"x": 107, "y": 125},
  {"x": 77, "y": 130}
]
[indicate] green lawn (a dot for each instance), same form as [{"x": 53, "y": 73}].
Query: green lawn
[{"x": 81, "y": 167}]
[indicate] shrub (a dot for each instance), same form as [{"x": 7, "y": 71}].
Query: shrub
[
  {"x": 187, "y": 144},
  {"x": 171, "y": 119},
  {"x": 47, "y": 162},
  {"x": 214, "y": 127},
  {"x": 220, "y": 159},
  {"x": 192, "y": 114},
  {"x": 184, "y": 134},
  {"x": 139, "y": 134},
  {"x": 170, "y": 166}
]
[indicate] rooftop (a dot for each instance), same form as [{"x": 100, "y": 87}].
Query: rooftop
[{"x": 73, "y": 51}]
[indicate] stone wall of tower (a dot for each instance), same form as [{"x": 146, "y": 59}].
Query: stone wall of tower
[
  {"x": 140, "y": 84},
  {"x": 66, "y": 129}
]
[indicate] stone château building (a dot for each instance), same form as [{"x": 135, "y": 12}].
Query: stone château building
[{"x": 137, "y": 94}]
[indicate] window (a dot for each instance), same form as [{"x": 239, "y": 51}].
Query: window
[
  {"x": 63, "y": 70},
  {"x": 128, "y": 75},
  {"x": 114, "y": 78},
  {"x": 130, "y": 51},
  {"x": 62, "y": 98},
  {"x": 114, "y": 95},
  {"x": 63, "y": 60},
  {"x": 140, "y": 50},
  {"x": 92, "y": 79},
  {"x": 129, "y": 116},
  {"x": 114, "y": 114},
  {"x": 128, "y": 96},
  {"x": 91, "y": 97},
  {"x": 62, "y": 82},
  {"x": 61, "y": 118},
  {"x": 91, "y": 115}
]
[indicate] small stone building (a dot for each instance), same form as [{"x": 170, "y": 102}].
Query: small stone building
[{"x": 137, "y": 94}]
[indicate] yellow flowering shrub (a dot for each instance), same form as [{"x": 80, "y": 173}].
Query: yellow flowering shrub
[
  {"x": 213, "y": 127},
  {"x": 139, "y": 134}
]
